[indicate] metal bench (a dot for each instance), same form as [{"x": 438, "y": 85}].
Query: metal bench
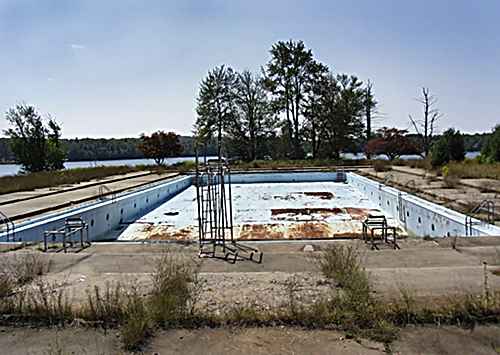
[
  {"x": 72, "y": 227},
  {"x": 378, "y": 223}
]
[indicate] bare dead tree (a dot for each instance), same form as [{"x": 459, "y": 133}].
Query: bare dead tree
[{"x": 425, "y": 127}]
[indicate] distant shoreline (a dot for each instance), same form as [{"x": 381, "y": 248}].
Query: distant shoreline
[{"x": 86, "y": 160}]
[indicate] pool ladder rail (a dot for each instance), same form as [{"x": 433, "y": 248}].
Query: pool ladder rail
[
  {"x": 7, "y": 226},
  {"x": 485, "y": 206}
]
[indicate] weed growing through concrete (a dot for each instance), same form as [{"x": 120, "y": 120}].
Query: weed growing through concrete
[
  {"x": 341, "y": 264},
  {"x": 174, "y": 293},
  {"x": 19, "y": 270},
  {"x": 137, "y": 325},
  {"x": 104, "y": 307}
]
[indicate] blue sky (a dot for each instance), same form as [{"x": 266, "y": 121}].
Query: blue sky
[{"x": 117, "y": 68}]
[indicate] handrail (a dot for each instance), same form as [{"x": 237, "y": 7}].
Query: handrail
[
  {"x": 341, "y": 175},
  {"x": 487, "y": 206},
  {"x": 10, "y": 226},
  {"x": 104, "y": 191}
]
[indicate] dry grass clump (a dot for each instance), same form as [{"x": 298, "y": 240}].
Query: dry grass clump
[
  {"x": 381, "y": 166},
  {"x": 459, "y": 310},
  {"x": 175, "y": 290},
  {"x": 137, "y": 324},
  {"x": 342, "y": 264},
  {"x": 20, "y": 269},
  {"x": 424, "y": 164},
  {"x": 451, "y": 181},
  {"x": 474, "y": 170},
  {"x": 105, "y": 307},
  {"x": 353, "y": 308}
]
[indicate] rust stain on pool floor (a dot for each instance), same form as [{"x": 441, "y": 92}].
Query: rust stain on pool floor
[{"x": 262, "y": 232}]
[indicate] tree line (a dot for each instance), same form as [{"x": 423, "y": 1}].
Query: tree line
[{"x": 88, "y": 149}]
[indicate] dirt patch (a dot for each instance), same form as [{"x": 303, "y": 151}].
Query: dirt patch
[
  {"x": 481, "y": 340},
  {"x": 178, "y": 234},
  {"x": 261, "y": 231},
  {"x": 324, "y": 195},
  {"x": 42, "y": 341},
  {"x": 360, "y": 214},
  {"x": 284, "y": 198},
  {"x": 309, "y": 230},
  {"x": 260, "y": 341},
  {"x": 306, "y": 211}
]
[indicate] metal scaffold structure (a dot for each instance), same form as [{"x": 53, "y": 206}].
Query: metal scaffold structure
[{"x": 215, "y": 213}]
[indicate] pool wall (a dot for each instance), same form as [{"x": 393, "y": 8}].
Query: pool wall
[
  {"x": 418, "y": 216},
  {"x": 284, "y": 177},
  {"x": 104, "y": 216}
]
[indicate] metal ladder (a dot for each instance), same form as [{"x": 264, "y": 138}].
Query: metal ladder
[
  {"x": 106, "y": 191},
  {"x": 7, "y": 226},
  {"x": 341, "y": 175},
  {"x": 487, "y": 206}
]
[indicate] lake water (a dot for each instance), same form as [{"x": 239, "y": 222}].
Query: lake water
[{"x": 12, "y": 169}]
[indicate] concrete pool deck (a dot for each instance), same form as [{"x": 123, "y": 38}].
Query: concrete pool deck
[{"x": 266, "y": 211}]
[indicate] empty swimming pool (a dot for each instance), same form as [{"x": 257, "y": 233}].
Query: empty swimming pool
[{"x": 267, "y": 211}]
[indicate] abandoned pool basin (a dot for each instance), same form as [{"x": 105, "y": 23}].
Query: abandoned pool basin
[{"x": 274, "y": 205}]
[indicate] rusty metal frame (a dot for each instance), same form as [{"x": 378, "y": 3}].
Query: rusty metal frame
[
  {"x": 215, "y": 213},
  {"x": 72, "y": 226}
]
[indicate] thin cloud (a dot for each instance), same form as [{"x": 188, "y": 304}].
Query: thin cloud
[{"x": 77, "y": 46}]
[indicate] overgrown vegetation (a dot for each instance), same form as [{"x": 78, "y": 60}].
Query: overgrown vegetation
[
  {"x": 62, "y": 177},
  {"x": 491, "y": 150},
  {"x": 381, "y": 166},
  {"x": 473, "y": 169},
  {"x": 20, "y": 269},
  {"x": 449, "y": 147},
  {"x": 350, "y": 305}
]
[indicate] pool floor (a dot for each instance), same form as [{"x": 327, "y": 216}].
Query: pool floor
[{"x": 266, "y": 211}]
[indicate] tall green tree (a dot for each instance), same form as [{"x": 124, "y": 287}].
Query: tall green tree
[
  {"x": 254, "y": 120},
  {"x": 370, "y": 105},
  {"x": 36, "y": 146},
  {"x": 215, "y": 106},
  {"x": 491, "y": 150},
  {"x": 342, "y": 106},
  {"x": 313, "y": 113},
  {"x": 449, "y": 147},
  {"x": 291, "y": 68}
]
